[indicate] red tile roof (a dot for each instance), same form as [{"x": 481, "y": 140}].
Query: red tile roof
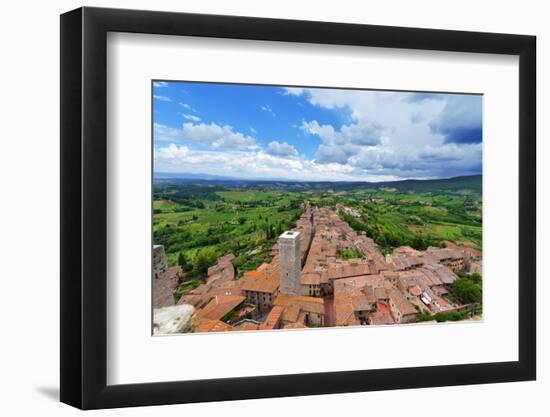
[
  {"x": 219, "y": 306},
  {"x": 206, "y": 325},
  {"x": 260, "y": 282},
  {"x": 273, "y": 318}
]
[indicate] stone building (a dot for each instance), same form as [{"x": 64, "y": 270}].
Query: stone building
[
  {"x": 163, "y": 284},
  {"x": 160, "y": 266},
  {"x": 402, "y": 310},
  {"x": 300, "y": 311},
  {"x": 260, "y": 289},
  {"x": 290, "y": 263}
]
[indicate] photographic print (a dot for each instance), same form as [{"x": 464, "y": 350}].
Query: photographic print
[{"x": 279, "y": 207}]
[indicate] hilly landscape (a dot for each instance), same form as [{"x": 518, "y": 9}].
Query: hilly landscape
[{"x": 198, "y": 219}]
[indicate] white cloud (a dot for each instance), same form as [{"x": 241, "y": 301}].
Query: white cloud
[
  {"x": 164, "y": 133},
  {"x": 160, "y": 84},
  {"x": 292, "y": 91},
  {"x": 252, "y": 164},
  {"x": 339, "y": 146},
  {"x": 386, "y": 136},
  {"x": 403, "y": 134},
  {"x": 172, "y": 152},
  {"x": 161, "y": 98},
  {"x": 361, "y": 134},
  {"x": 191, "y": 117},
  {"x": 267, "y": 109},
  {"x": 213, "y": 135},
  {"x": 281, "y": 149},
  {"x": 187, "y": 107}
]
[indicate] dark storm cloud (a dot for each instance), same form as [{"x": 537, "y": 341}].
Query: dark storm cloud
[
  {"x": 460, "y": 120},
  {"x": 462, "y": 134}
]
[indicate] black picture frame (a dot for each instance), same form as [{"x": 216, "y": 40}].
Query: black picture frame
[{"x": 84, "y": 207}]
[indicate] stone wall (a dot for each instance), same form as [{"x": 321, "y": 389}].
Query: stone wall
[{"x": 163, "y": 286}]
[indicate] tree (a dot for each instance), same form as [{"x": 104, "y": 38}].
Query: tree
[
  {"x": 466, "y": 290},
  {"x": 476, "y": 278},
  {"x": 182, "y": 260},
  {"x": 241, "y": 220},
  {"x": 204, "y": 259}
]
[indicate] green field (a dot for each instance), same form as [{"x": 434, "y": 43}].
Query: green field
[
  {"x": 418, "y": 219},
  {"x": 212, "y": 218},
  {"x": 244, "y": 222}
]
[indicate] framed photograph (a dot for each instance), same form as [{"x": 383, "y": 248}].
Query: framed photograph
[{"x": 257, "y": 208}]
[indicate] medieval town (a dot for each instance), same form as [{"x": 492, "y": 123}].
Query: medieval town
[{"x": 308, "y": 285}]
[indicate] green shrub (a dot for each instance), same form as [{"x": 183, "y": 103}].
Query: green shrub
[{"x": 466, "y": 290}]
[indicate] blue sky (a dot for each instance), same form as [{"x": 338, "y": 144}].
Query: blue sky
[{"x": 314, "y": 134}]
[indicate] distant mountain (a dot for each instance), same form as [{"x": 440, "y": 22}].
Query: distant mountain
[
  {"x": 189, "y": 176},
  {"x": 471, "y": 182}
]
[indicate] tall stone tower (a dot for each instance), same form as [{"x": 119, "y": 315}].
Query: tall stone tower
[{"x": 291, "y": 263}]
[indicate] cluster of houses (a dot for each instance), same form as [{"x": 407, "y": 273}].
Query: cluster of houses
[{"x": 308, "y": 284}]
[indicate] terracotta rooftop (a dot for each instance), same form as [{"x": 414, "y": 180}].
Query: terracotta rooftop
[
  {"x": 343, "y": 311},
  {"x": 219, "y": 306},
  {"x": 401, "y": 302},
  {"x": 381, "y": 316},
  {"x": 307, "y": 304},
  {"x": 362, "y": 302},
  {"x": 290, "y": 313},
  {"x": 260, "y": 282},
  {"x": 349, "y": 284},
  {"x": 273, "y": 318},
  {"x": 380, "y": 293},
  {"x": 440, "y": 274},
  {"x": 311, "y": 278},
  {"x": 443, "y": 254},
  {"x": 402, "y": 261},
  {"x": 347, "y": 269},
  {"x": 206, "y": 325},
  {"x": 415, "y": 290}
]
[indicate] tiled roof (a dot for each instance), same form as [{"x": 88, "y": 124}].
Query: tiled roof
[
  {"x": 206, "y": 325},
  {"x": 260, "y": 282},
  {"x": 219, "y": 306},
  {"x": 307, "y": 304},
  {"x": 444, "y": 253},
  {"x": 380, "y": 293},
  {"x": 381, "y": 316},
  {"x": 343, "y": 311},
  {"x": 273, "y": 318},
  {"x": 347, "y": 269},
  {"x": 311, "y": 278},
  {"x": 361, "y": 302},
  {"x": 401, "y": 302}
]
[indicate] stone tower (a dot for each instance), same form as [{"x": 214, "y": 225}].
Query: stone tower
[
  {"x": 160, "y": 266},
  {"x": 162, "y": 284},
  {"x": 291, "y": 263}
]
